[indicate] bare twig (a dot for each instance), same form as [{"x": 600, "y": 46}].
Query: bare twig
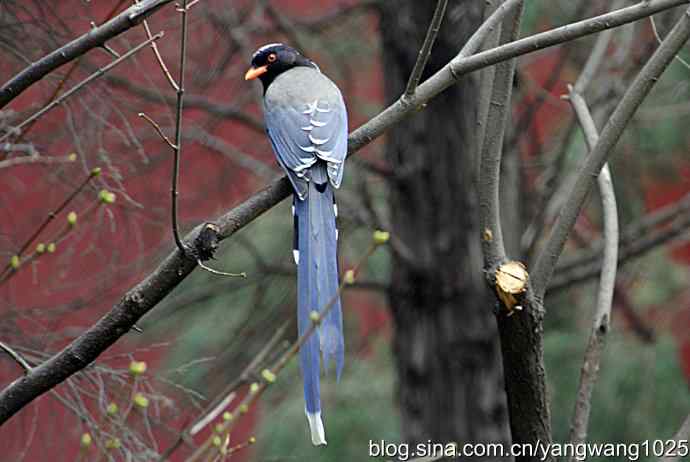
[
  {"x": 214, "y": 410},
  {"x": 96, "y": 37},
  {"x": 466, "y": 62},
  {"x": 242, "y": 159},
  {"x": 633, "y": 245},
  {"x": 610, "y": 135},
  {"x": 14, "y": 161},
  {"x": 159, "y": 58},
  {"x": 158, "y": 129},
  {"x": 71, "y": 70},
  {"x": 200, "y": 102},
  {"x": 99, "y": 73},
  {"x": 19, "y": 359},
  {"x": 177, "y": 149},
  {"x": 658, "y": 39},
  {"x": 425, "y": 51},
  {"x": 607, "y": 281},
  {"x": 220, "y": 273}
]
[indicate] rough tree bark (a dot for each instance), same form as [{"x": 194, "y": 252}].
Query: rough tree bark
[{"x": 446, "y": 342}]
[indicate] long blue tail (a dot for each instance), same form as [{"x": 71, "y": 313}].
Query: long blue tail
[{"x": 317, "y": 283}]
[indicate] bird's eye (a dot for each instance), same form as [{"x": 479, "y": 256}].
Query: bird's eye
[{"x": 272, "y": 57}]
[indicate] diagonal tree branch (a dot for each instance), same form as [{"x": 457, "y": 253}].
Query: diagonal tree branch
[
  {"x": 96, "y": 37},
  {"x": 174, "y": 268},
  {"x": 99, "y": 73},
  {"x": 425, "y": 51},
  {"x": 633, "y": 245},
  {"x": 610, "y": 135}
]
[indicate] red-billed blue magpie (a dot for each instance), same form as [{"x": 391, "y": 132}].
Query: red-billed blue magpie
[{"x": 306, "y": 121}]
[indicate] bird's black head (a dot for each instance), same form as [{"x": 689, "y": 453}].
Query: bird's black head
[{"x": 269, "y": 61}]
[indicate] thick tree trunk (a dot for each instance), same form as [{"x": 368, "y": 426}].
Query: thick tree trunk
[{"x": 446, "y": 340}]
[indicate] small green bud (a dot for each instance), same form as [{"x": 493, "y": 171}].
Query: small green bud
[
  {"x": 106, "y": 196},
  {"x": 86, "y": 440},
  {"x": 349, "y": 277},
  {"x": 218, "y": 428},
  {"x": 95, "y": 172},
  {"x": 112, "y": 409},
  {"x": 216, "y": 441},
  {"x": 381, "y": 237},
  {"x": 72, "y": 156},
  {"x": 15, "y": 262},
  {"x": 243, "y": 408},
  {"x": 315, "y": 316},
  {"x": 113, "y": 443},
  {"x": 51, "y": 247},
  {"x": 252, "y": 440},
  {"x": 141, "y": 400},
  {"x": 40, "y": 248},
  {"x": 268, "y": 376},
  {"x": 137, "y": 367},
  {"x": 227, "y": 416},
  {"x": 72, "y": 218}
]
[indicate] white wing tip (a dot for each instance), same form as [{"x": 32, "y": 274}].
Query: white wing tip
[{"x": 318, "y": 435}]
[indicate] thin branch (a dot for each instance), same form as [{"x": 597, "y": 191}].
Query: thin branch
[
  {"x": 492, "y": 148},
  {"x": 99, "y": 73},
  {"x": 220, "y": 273},
  {"x": 14, "y": 161},
  {"x": 95, "y": 37},
  {"x": 52, "y": 243},
  {"x": 159, "y": 58},
  {"x": 158, "y": 129},
  {"x": 242, "y": 159},
  {"x": 658, "y": 39},
  {"x": 51, "y": 216},
  {"x": 228, "y": 394},
  {"x": 70, "y": 71},
  {"x": 425, "y": 51},
  {"x": 466, "y": 62},
  {"x": 338, "y": 15},
  {"x": 177, "y": 149},
  {"x": 607, "y": 281},
  {"x": 175, "y": 267},
  {"x": 200, "y": 102},
  {"x": 463, "y": 64},
  {"x": 19, "y": 359},
  {"x": 635, "y": 246},
  {"x": 610, "y": 135}
]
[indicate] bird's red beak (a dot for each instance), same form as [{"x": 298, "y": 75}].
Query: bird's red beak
[{"x": 255, "y": 72}]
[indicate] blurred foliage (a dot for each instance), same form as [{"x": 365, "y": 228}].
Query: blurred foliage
[{"x": 641, "y": 393}]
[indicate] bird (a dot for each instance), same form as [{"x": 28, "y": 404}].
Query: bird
[{"x": 306, "y": 123}]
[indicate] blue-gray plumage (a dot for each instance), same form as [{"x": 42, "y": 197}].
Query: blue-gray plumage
[{"x": 306, "y": 121}]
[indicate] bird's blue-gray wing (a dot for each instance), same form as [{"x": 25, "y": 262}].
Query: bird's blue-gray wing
[
  {"x": 303, "y": 133},
  {"x": 287, "y": 137},
  {"x": 327, "y": 129}
]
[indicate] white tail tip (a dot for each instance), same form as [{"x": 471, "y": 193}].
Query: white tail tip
[{"x": 318, "y": 436}]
